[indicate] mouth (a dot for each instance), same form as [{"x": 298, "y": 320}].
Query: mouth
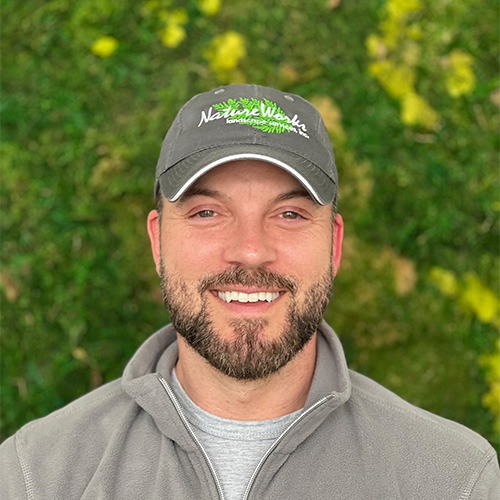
[{"x": 243, "y": 298}]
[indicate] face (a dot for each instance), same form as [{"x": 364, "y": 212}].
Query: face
[{"x": 246, "y": 260}]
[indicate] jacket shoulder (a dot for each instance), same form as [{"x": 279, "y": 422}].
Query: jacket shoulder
[
  {"x": 81, "y": 413},
  {"x": 411, "y": 419},
  {"x": 421, "y": 443},
  {"x": 48, "y": 445}
]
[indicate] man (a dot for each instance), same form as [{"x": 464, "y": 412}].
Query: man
[{"x": 247, "y": 394}]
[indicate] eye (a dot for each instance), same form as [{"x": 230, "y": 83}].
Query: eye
[
  {"x": 291, "y": 215},
  {"x": 205, "y": 214}
]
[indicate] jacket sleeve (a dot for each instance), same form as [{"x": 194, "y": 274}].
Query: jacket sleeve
[
  {"x": 487, "y": 486},
  {"x": 12, "y": 484}
]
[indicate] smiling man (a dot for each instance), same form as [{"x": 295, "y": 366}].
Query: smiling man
[
  {"x": 225, "y": 253},
  {"x": 246, "y": 394}
]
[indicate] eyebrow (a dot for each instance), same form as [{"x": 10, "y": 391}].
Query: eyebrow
[
  {"x": 200, "y": 191},
  {"x": 295, "y": 193},
  {"x": 212, "y": 193}
]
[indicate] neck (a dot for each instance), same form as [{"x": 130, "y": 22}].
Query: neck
[{"x": 277, "y": 395}]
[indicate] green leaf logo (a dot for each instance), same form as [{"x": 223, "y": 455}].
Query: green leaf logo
[{"x": 263, "y": 115}]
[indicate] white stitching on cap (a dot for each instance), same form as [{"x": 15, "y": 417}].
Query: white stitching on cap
[{"x": 247, "y": 156}]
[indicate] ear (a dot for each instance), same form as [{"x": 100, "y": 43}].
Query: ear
[
  {"x": 338, "y": 236},
  {"x": 154, "y": 236}
]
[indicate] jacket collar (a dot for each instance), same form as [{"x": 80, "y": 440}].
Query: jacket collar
[{"x": 158, "y": 355}]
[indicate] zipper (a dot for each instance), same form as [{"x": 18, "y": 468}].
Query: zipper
[
  {"x": 278, "y": 441},
  {"x": 182, "y": 415}
]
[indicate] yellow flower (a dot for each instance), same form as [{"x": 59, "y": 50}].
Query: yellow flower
[
  {"x": 480, "y": 300},
  {"x": 444, "y": 280},
  {"x": 172, "y": 35},
  {"x": 393, "y": 26},
  {"x": 491, "y": 362},
  {"x": 209, "y": 7},
  {"x": 473, "y": 295},
  {"x": 225, "y": 52},
  {"x": 415, "y": 110},
  {"x": 392, "y": 31},
  {"x": 398, "y": 9},
  {"x": 105, "y": 46},
  {"x": 397, "y": 80},
  {"x": 177, "y": 16},
  {"x": 460, "y": 79}
]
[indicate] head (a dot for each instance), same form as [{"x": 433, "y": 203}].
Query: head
[{"x": 246, "y": 238}]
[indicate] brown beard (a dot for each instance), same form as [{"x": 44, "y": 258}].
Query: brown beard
[{"x": 248, "y": 356}]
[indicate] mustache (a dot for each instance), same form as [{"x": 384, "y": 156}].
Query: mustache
[{"x": 262, "y": 278}]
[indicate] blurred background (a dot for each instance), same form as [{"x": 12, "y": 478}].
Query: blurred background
[{"x": 409, "y": 91}]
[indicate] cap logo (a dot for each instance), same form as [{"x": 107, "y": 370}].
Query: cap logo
[{"x": 262, "y": 115}]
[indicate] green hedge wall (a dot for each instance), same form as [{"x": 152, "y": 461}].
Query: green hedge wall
[{"x": 410, "y": 93}]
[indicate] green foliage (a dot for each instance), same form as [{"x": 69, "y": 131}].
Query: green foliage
[
  {"x": 272, "y": 120},
  {"x": 82, "y": 123}
]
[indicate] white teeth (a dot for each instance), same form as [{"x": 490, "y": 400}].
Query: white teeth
[{"x": 248, "y": 297}]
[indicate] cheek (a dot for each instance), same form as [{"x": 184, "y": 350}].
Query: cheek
[
  {"x": 187, "y": 253},
  {"x": 308, "y": 257}
]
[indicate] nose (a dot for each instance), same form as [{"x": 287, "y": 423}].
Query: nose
[{"x": 249, "y": 246}]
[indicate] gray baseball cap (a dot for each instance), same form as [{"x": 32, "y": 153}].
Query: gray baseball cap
[{"x": 241, "y": 122}]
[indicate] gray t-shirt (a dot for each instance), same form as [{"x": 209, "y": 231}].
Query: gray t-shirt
[{"x": 235, "y": 447}]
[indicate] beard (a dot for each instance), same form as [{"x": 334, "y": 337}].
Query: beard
[{"x": 247, "y": 355}]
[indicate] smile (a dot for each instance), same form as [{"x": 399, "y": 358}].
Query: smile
[{"x": 248, "y": 297}]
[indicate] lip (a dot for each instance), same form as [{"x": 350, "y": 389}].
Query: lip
[{"x": 246, "y": 289}]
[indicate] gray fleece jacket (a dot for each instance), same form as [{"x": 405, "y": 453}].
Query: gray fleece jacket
[{"x": 354, "y": 440}]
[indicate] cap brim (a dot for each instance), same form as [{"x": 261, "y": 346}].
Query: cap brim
[{"x": 177, "y": 179}]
